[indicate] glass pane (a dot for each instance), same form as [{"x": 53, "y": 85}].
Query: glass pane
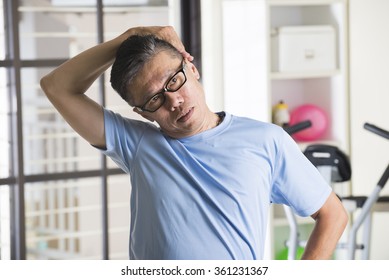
[
  {"x": 2, "y": 29},
  {"x": 4, "y": 124},
  {"x": 118, "y": 19},
  {"x": 119, "y": 216},
  {"x": 50, "y": 144},
  {"x": 5, "y": 222},
  {"x": 49, "y": 30},
  {"x": 63, "y": 219}
]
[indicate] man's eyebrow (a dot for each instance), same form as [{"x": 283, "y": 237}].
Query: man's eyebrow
[{"x": 168, "y": 74}]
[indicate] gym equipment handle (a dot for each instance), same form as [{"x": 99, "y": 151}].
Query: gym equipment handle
[
  {"x": 375, "y": 129},
  {"x": 384, "y": 133},
  {"x": 297, "y": 127},
  {"x": 384, "y": 178}
]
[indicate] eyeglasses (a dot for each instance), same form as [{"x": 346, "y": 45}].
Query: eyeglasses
[{"x": 172, "y": 85}]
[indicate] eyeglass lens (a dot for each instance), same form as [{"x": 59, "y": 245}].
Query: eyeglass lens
[{"x": 174, "y": 84}]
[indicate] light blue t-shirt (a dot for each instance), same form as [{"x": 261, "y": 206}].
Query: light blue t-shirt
[{"x": 208, "y": 196}]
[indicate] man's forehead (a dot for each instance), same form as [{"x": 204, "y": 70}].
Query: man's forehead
[{"x": 154, "y": 75}]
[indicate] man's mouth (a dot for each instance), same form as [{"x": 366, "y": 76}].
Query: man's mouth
[{"x": 186, "y": 117}]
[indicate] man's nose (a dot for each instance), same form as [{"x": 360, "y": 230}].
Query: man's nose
[{"x": 174, "y": 100}]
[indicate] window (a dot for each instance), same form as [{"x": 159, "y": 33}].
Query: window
[{"x": 59, "y": 197}]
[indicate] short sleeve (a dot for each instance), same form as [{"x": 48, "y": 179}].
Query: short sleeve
[
  {"x": 296, "y": 181},
  {"x": 122, "y": 136}
]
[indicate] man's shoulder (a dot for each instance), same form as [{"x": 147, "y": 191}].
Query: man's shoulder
[
  {"x": 243, "y": 121},
  {"x": 116, "y": 117}
]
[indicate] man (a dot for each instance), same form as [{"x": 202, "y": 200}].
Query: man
[{"x": 202, "y": 182}]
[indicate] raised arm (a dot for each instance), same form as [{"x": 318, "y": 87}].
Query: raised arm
[
  {"x": 66, "y": 85},
  {"x": 331, "y": 221}
]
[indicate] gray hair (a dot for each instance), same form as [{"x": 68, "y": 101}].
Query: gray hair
[{"x": 131, "y": 56}]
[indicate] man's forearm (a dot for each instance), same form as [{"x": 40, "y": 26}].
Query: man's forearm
[
  {"x": 77, "y": 74},
  {"x": 322, "y": 242},
  {"x": 330, "y": 223},
  {"x": 65, "y": 86}
]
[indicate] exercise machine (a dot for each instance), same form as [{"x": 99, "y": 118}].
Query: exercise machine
[
  {"x": 294, "y": 241},
  {"x": 334, "y": 165},
  {"x": 367, "y": 206}
]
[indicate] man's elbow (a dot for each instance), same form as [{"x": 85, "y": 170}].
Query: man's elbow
[
  {"x": 343, "y": 218},
  {"x": 339, "y": 219},
  {"x": 334, "y": 213},
  {"x": 45, "y": 84},
  {"x": 51, "y": 88}
]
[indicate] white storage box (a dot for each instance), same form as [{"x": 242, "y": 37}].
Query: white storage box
[{"x": 304, "y": 48}]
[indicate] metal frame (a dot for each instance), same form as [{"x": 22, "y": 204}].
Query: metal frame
[
  {"x": 18, "y": 179},
  {"x": 103, "y": 160},
  {"x": 191, "y": 29},
  {"x": 18, "y": 239}
]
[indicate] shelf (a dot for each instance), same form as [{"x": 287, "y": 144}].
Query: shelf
[
  {"x": 303, "y": 2},
  {"x": 303, "y": 75}
]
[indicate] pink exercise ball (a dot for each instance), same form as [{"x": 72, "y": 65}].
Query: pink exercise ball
[{"x": 317, "y": 117}]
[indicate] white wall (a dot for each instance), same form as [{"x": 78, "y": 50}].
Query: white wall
[
  {"x": 369, "y": 102},
  {"x": 212, "y": 53}
]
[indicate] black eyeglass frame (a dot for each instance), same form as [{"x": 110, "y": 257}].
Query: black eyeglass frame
[{"x": 164, "y": 90}]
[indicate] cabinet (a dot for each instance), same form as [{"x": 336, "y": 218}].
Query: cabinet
[{"x": 253, "y": 85}]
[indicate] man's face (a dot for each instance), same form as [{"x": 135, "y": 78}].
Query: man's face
[{"x": 184, "y": 111}]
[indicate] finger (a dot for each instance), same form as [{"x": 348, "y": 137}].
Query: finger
[{"x": 187, "y": 56}]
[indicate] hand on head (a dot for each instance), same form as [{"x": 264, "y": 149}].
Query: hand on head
[{"x": 166, "y": 33}]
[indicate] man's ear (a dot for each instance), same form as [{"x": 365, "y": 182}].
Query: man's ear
[{"x": 143, "y": 114}]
